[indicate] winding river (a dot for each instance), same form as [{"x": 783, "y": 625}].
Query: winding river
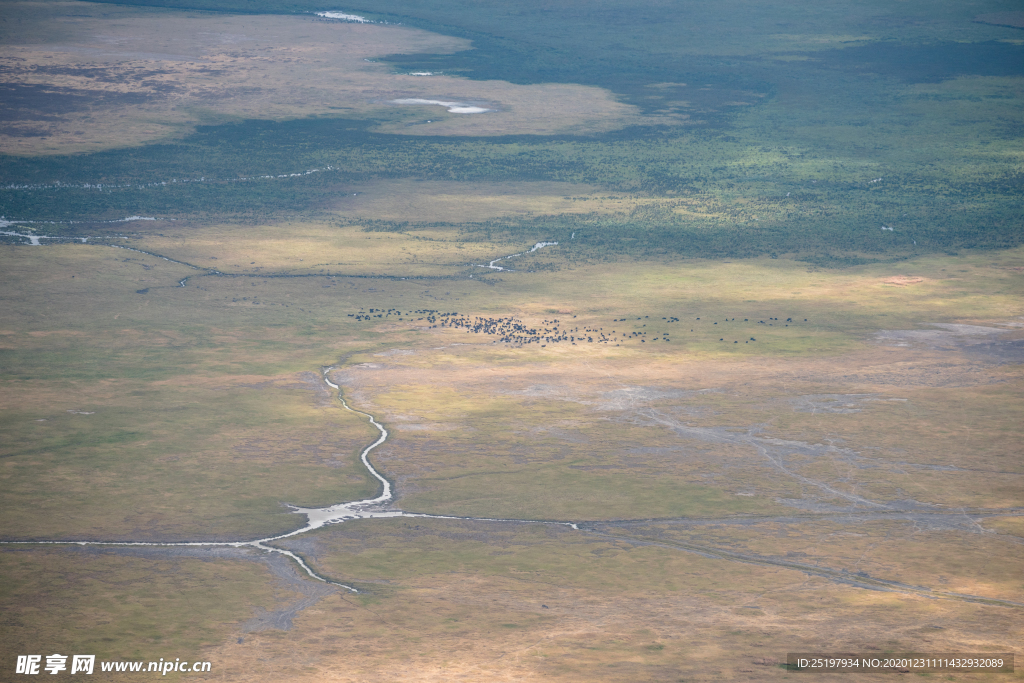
[
  {"x": 377, "y": 508},
  {"x": 370, "y": 508}
]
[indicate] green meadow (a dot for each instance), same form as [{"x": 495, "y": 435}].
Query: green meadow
[{"x": 791, "y": 138}]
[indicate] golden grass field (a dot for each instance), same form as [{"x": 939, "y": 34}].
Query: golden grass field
[{"x": 205, "y": 413}]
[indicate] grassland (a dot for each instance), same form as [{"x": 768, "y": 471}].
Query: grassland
[
  {"x": 143, "y": 425},
  {"x": 489, "y": 608},
  {"x": 96, "y": 343},
  {"x": 802, "y": 432},
  {"x": 206, "y": 414},
  {"x": 117, "y": 605}
]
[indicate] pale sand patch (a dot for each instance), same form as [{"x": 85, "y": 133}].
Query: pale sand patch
[
  {"x": 93, "y": 81},
  {"x": 344, "y": 17},
  {"x": 452, "y": 107},
  {"x": 902, "y": 280}
]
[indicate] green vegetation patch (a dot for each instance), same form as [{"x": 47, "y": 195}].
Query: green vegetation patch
[{"x": 719, "y": 196}]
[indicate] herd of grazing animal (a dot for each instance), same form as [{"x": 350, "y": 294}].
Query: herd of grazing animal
[{"x": 511, "y": 330}]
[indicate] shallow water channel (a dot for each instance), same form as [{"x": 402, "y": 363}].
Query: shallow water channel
[
  {"x": 539, "y": 245},
  {"x": 370, "y": 508}
]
